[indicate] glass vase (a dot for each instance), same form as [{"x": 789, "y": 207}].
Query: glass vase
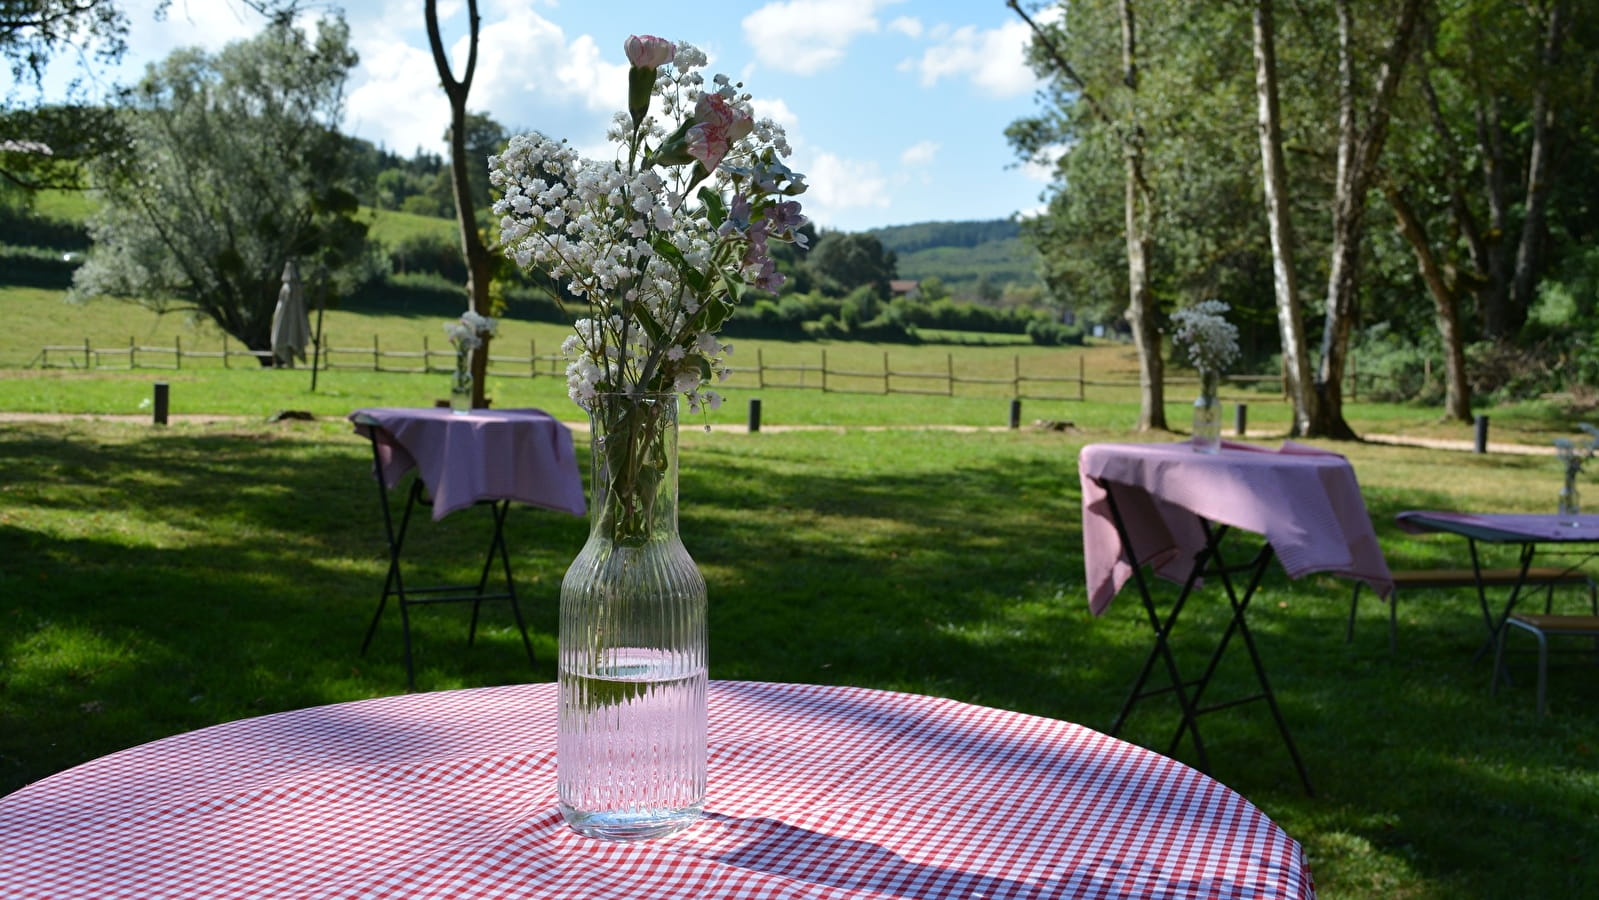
[
  {"x": 1570, "y": 503},
  {"x": 630, "y": 757},
  {"x": 461, "y": 383},
  {"x": 1206, "y": 436}
]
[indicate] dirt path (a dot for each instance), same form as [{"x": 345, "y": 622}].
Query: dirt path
[{"x": 583, "y": 427}]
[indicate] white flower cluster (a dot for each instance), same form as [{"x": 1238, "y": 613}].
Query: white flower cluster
[
  {"x": 1204, "y": 333},
  {"x": 660, "y": 242},
  {"x": 1572, "y": 454},
  {"x": 468, "y": 332}
]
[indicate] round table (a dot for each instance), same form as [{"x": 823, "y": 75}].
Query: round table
[{"x": 815, "y": 791}]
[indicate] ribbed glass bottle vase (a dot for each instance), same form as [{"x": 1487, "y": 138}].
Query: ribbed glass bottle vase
[{"x": 630, "y": 760}]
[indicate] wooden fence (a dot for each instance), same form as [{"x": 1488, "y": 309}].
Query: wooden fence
[{"x": 1020, "y": 381}]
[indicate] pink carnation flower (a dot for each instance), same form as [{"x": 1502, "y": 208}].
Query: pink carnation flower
[
  {"x": 718, "y": 124},
  {"x": 646, "y": 51}
]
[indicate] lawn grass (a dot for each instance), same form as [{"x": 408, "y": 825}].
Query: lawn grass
[{"x": 159, "y": 579}]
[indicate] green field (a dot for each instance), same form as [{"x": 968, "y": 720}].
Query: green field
[{"x": 158, "y": 579}]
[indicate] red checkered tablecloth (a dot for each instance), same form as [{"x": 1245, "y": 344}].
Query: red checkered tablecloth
[{"x": 815, "y": 792}]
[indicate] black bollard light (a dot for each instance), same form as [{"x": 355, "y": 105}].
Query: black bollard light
[
  {"x": 160, "y": 403},
  {"x": 1482, "y": 434},
  {"x": 1016, "y": 413},
  {"x": 755, "y": 415},
  {"x": 1241, "y": 419}
]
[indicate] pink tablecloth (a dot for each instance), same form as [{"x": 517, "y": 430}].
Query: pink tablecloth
[
  {"x": 518, "y": 454},
  {"x": 816, "y": 792},
  {"x": 1305, "y": 501}
]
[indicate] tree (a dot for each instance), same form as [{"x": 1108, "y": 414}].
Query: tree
[
  {"x": 844, "y": 261},
  {"x": 1280, "y": 224},
  {"x": 1138, "y": 201},
  {"x": 234, "y": 168},
  {"x": 479, "y": 266},
  {"x": 44, "y": 144},
  {"x": 1361, "y": 135}
]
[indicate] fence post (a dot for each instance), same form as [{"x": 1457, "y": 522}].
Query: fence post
[
  {"x": 886, "y": 390},
  {"x": 427, "y": 357},
  {"x": 1082, "y": 379},
  {"x": 949, "y": 374},
  {"x": 87, "y": 355},
  {"x": 377, "y": 359},
  {"x": 177, "y": 349},
  {"x": 132, "y": 353},
  {"x": 824, "y": 370},
  {"x": 760, "y": 369},
  {"x": 1016, "y": 376}
]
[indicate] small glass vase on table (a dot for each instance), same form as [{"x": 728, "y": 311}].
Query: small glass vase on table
[
  {"x": 1206, "y": 436},
  {"x": 466, "y": 334},
  {"x": 1572, "y": 455},
  {"x": 461, "y": 383}
]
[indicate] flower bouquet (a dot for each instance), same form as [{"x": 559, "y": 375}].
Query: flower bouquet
[
  {"x": 1572, "y": 456},
  {"x": 1211, "y": 344},
  {"x": 466, "y": 334}
]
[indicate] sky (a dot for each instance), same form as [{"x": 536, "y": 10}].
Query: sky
[{"x": 896, "y": 109}]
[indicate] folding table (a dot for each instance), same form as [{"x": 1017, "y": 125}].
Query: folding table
[
  {"x": 1527, "y": 532},
  {"x": 1172, "y": 509},
  {"x": 487, "y": 457}
]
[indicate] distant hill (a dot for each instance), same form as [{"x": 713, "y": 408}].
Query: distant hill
[{"x": 959, "y": 253}]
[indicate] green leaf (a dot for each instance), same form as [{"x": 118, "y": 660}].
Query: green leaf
[{"x": 715, "y": 209}]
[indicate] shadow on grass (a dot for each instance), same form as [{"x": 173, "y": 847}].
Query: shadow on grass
[{"x": 155, "y": 582}]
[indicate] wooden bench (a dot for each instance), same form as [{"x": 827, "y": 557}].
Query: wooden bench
[
  {"x": 1548, "y": 577},
  {"x": 1541, "y": 627}
]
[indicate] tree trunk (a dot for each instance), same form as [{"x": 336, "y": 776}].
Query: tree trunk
[
  {"x": 1445, "y": 304},
  {"x": 1139, "y": 202},
  {"x": 1529, "y": 251},
  {"x": 1141, "y": 311},
  {"x": 472, "y": 248},
  {"x": 1274, "y": 177},
  {"x": 1358, "y": 151}
]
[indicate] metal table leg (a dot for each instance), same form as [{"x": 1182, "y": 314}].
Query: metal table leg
[
  {"x": 1207, "y": 563},
  {"x": 405, "y": 597}
]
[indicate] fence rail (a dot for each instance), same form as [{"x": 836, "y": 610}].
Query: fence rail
[{"x": 946, "y": 380}]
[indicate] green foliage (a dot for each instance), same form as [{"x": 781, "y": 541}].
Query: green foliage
[
  {"x": 1054, "y": 334},
  {"x": 235, "y": 169},
  {"x": 843, "y": 261}
]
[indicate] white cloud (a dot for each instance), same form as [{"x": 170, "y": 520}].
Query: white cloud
[
  {"x": 993, "y": 59},
  {"x": 1042, "y": 166},
  {"x": 907, "y": 25},
  {"x": 806, "y": 36},
  {"x": 401, "y": 103},
  {"x": 919, "y": 154},
  {"x": 838, "y": 184}
]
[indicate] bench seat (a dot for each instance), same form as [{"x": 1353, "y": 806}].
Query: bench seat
[{"x": 1548, "y": 577}]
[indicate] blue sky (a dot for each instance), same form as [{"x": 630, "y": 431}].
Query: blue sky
[{"x": 896, "y": 108}]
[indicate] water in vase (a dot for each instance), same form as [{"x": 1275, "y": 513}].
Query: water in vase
[{"x": 632, "y": 752}]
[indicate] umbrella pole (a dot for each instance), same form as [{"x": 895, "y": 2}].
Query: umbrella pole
[{"x": 316, "y": 342}]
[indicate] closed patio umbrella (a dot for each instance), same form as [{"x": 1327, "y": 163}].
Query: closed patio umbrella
[{"x": 291, "y": 326}]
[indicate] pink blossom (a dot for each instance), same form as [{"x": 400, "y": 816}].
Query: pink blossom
[
  {"x": 646, "y": 51},
  {"x": 717, "y": 125}
]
